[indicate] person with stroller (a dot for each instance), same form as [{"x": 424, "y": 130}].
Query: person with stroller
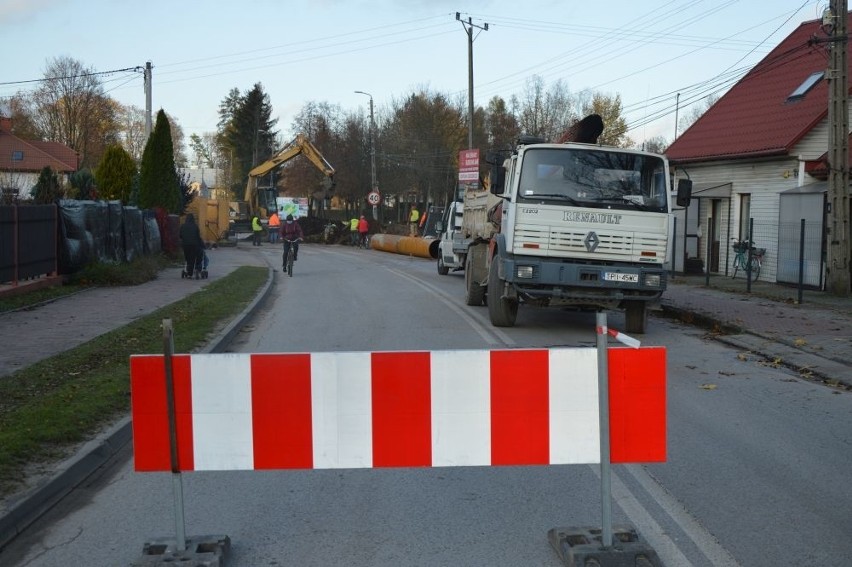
[
  {"x": 290, "y": 232},
  {"x": 193, "y": 246}
]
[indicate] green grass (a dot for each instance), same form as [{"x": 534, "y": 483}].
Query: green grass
[{"x": 60, "y": 401}]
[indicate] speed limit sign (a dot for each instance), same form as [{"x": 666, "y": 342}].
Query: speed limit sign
[{"x": 373, "y": 197}]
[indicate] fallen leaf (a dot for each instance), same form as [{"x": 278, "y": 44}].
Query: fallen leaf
[
  {"x": 708, "y": 386},
  {"x": 800, "y": 342}
]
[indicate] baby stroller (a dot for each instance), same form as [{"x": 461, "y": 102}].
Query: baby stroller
[{"x": 200, "y": 268}]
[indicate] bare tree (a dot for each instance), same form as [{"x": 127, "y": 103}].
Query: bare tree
[
  {"x": 177, "y": 141},
  {"x": 657, "y": 144},
  {"x": 697, "y": 111},
  {"x": 545, "y": 112},
  {"x": 133, "y": 138},
  {"x": 70, "y": 107}
]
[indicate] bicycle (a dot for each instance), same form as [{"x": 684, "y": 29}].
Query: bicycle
[
  {"x": 290, "y": 257},
  {"x": 751, "y": 262}
]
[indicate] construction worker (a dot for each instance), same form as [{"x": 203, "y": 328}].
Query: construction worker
[
  {"x": 256, "y": 230},
  {"x": 274, "y": 225},
  {"x": 353, "y": 230},
  {"x": 413, "y": 218}
]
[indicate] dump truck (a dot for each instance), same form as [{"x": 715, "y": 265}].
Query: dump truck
[{"x": 570, "y": 225}]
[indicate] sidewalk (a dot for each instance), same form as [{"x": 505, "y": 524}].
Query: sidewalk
[
  {"x": 813, "y": 338},
  {"x": 33, "y": 334}
]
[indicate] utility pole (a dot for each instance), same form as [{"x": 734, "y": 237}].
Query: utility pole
[
  {"x": 838, "y": 229},
  {"x": 375, "y": 184},
  {"x": 468, "y": 28},
  {"x": 148, "y": 128}
]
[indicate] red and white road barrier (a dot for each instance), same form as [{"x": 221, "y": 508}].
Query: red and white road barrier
[{"x": 397, "y": 409}]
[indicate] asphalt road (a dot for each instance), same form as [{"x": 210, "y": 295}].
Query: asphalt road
[{"x": 756, "y": 473}]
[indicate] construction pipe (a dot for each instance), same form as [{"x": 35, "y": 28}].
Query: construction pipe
[{"x": 408, "y": 245}]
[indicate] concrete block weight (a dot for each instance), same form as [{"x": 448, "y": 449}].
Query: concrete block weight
[
  {"x": 201, "y": 551},
  {"x": 582, "y": 547}
]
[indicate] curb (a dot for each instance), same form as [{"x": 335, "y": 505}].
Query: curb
[
  {"x": 771, "y": 349},
  {"x": 97, "y": 453}
]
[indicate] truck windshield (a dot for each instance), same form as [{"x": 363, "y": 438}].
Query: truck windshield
[{"x": 593, "y": 178}]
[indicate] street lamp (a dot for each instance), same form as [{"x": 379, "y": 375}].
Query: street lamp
[{"x": 375, "y": 186}]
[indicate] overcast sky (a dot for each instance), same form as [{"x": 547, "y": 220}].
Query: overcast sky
[{"x": 323, "y": 50}]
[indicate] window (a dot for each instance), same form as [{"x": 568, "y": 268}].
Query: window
[
  {"x": 17, "y": 155},
  {"x": 807, "y": 85},
  {"x": 745, "y": 213}
]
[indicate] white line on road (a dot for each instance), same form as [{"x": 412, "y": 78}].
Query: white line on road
[
  {"x": 704, "y": 540},
  {"x": 491, "y": 336}
]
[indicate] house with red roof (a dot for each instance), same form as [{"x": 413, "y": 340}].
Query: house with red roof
[
  {"x": 21, "y": 162},
  {"x": 758, "y": 162}
]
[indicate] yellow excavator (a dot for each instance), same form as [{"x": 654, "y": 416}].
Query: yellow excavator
[{"x": 299, "y": 145}]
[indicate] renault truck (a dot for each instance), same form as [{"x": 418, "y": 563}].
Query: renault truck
[{"x": 570, "y": 225}]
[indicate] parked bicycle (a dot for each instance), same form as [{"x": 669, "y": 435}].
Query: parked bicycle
[
  {"x": 291, "y": 255},
  {"x": 750, "y": 263}
]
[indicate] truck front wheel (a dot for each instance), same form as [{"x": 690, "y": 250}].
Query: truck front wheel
[
  {"x": 635, "y": 316},
  {"x": 473, "y": 292},
  {"x": 501, "y": 310},
  {"x": 442, "y": 269}
]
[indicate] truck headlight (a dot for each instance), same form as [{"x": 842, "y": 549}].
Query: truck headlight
[
  {"x": 524, "y": 272},
  {"x": 652, "y": 280}
]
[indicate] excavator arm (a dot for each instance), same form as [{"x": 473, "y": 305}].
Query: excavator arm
[{"x": 299, "y": 145}]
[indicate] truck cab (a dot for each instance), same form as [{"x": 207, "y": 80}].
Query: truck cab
[{"x": 579, "y": 226}]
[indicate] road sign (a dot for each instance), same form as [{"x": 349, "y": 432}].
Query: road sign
[{"x": 374, "y": 198}]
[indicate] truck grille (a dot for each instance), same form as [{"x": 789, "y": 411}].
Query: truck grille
[{"x": 549, "y": 241}]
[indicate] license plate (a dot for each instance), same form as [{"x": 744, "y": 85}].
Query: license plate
[{"x": 619, "y": 277}]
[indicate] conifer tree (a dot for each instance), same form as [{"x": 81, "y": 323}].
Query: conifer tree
[
  {"x": 159, "y": 187},
  {"x": 115, "y": 173}
]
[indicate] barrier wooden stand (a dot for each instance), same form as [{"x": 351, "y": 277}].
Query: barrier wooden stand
[{"x": 397, "y": 409}]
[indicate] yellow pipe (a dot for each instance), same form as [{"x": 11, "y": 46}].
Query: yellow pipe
[{"x": 408, "y": 245}]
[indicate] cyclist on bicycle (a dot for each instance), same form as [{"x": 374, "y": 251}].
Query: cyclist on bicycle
[{"x": 290, "y": 231}]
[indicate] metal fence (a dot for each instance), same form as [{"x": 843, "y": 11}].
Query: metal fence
[
  {"x": 786, "y": 253},
  {"x": 44, "y": 240}
]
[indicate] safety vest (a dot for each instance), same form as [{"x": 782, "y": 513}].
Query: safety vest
[{"x": 414, "y": 216}]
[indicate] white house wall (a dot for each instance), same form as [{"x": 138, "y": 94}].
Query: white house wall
[
  {"x": 763, "y": 180},
  {"x": 814, "y": 144}
]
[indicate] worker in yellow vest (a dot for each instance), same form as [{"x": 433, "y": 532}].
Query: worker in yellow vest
[
  {"x": 353, "y": 231},
  {"x": 413, "y": 218}
]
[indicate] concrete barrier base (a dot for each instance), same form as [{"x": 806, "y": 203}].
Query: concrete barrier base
[
  {"x": 582, "y": 547},
  {"x": 201, "y": 551}
]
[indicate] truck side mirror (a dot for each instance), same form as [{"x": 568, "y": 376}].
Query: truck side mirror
[
  {"x": 684, "y": 192},
  {"x": 497, "y": 178},
  {"x": 439, "y": 226}
]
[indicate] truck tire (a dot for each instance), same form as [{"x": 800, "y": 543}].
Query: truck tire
[
  {"x": 473, "y": 292},
  {"x": 635, "y": 316},
  {"x": 501, "y": 311},
  {"x": 442, "y": 269}
]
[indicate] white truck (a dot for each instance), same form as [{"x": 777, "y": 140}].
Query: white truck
[
  {"x": 569, "y": 225},
  {"x": 453, "y": 245}
]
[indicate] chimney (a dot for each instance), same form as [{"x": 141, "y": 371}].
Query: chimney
[{"x": 5, "y": 124}]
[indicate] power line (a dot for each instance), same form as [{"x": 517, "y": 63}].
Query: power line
[{"x": 77, "y": 76}]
